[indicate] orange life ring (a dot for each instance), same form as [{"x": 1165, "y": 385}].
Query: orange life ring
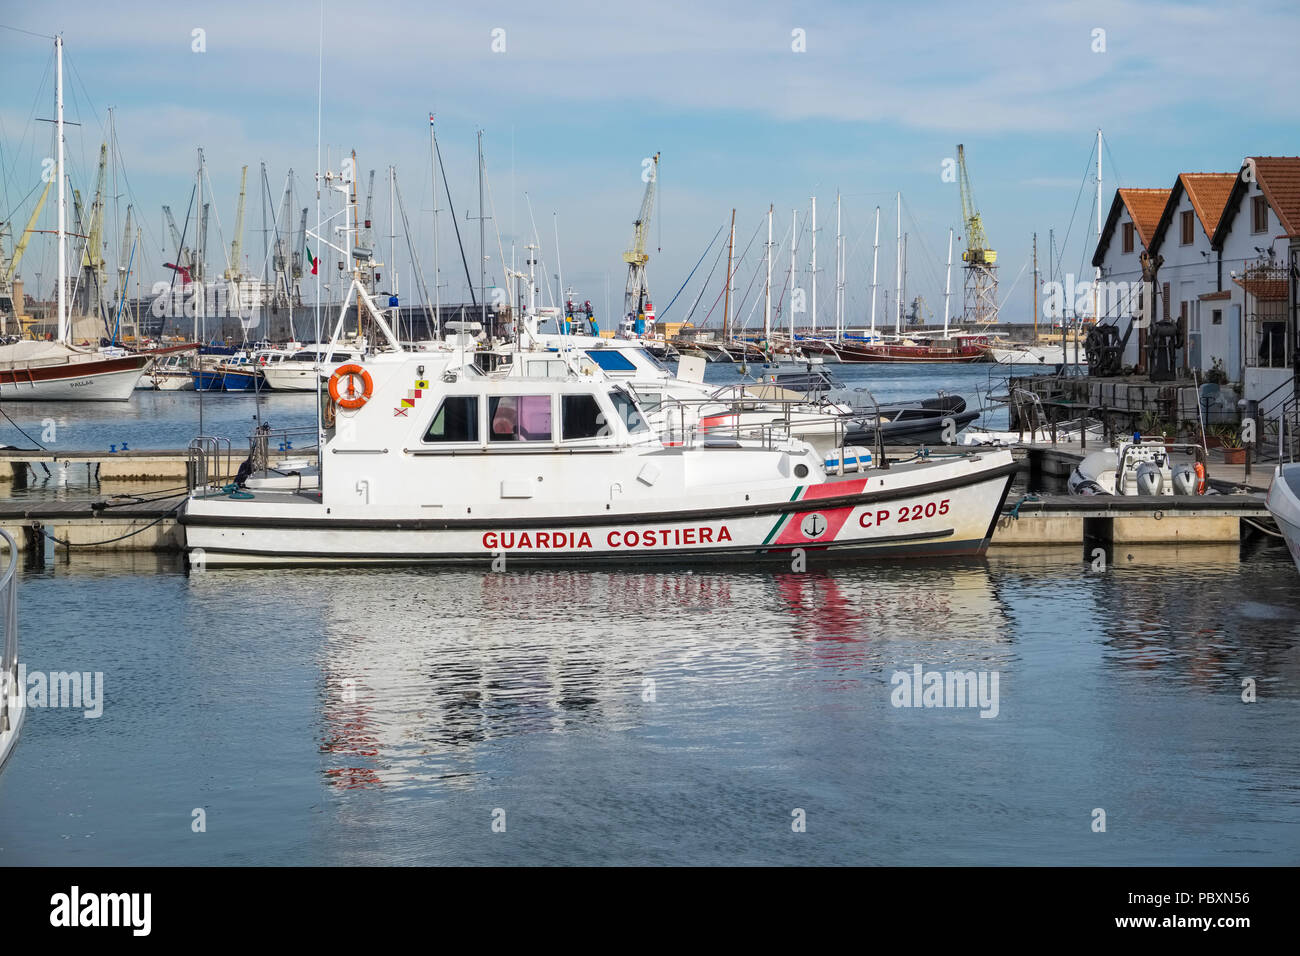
[{"x": 351, "y": 398}]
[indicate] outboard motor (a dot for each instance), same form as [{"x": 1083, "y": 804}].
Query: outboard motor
[
  {"x": 1149, "y": 480},
  {"x": 1184, "y": 479}
]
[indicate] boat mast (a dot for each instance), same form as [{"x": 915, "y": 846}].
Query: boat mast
[
  {"x": 767, "y": 290},
  {"x": 1035, "y": 288},
  {"x": 947, "y": 287},
  {"x": 726, "y": 306},
  {"x": 1096, "y": 273},
  {"x": 356, "y": 226},
  {"x": 875, "y": 255},
  {"x": 63, "y": 199},
  {"x": 437, "y": 290},
  {"x": 794, "y": 248},
  {"x": 814, "y": 266},
  {"x": 898, "y": 268},
  {"x": 392, "y": 247},
  {"x": 839, "y": 272},
  {"x": 482, "y": 245}
]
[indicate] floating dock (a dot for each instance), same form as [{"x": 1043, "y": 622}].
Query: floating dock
[{"x": 120, "y": 466}]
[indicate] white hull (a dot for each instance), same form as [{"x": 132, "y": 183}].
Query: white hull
[
  {"x": 947, "y": 510},
  {"x": 17, "y": 711},
  {"x": 1284, "y": 506},
  {"x": 282, "y": 379},
  {"x": 90, "y": 386},
  {"x": 1047, "y": 355}
]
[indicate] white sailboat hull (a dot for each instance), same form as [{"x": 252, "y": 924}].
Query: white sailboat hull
[
  {"x": 1038, "y": 355},
  {"x": 84, "y": 382}
]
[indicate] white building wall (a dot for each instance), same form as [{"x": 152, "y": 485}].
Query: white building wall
[
  {"x": 1189, "y": 270},
  {"x": 1241, "y": 245},
  {"x": 1120, "y": 266}
]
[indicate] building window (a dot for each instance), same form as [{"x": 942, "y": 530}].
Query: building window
[
  {"x": 1216, "y": 317},
  {"x": 1187, "y": 223},
  {"x": 1128, "y": 237},
  {"x": 520, "y": 417},
  {"x": 1258, "y": 214},
  {"x": 456, "y": 420},
  {"x": 1266, "y": 345}
]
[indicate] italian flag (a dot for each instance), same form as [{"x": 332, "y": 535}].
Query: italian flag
[{"x": 313, "y": 260}]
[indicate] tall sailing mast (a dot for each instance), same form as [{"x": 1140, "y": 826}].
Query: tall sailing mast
[
  {"x": 898, "y": 268},
  {"x": 875, "y": 256},
  {"x": 839, "y": 272},
  {"x": 794, "y": 248},
  {"x": 767, "y": 289},
  {"x": 63, "y": 199},
  {"x": 814, "y": 267},
  {"x": 726, "y": 307},
  {"x": 947, "y": 286},
  {"x": 437, "y": 289}
]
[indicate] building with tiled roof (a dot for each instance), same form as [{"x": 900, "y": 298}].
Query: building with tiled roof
[{"x": 1256, "y": 237}]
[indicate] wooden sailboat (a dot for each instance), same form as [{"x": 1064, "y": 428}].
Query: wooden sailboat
[{"x": 34, "y": 370}]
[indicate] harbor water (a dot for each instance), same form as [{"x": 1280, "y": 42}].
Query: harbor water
[{"x": 649, "y": 715}]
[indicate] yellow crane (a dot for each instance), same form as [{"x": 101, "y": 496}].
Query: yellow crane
[
  {"x": 92, "y": 257},
  {"x": 981, "y": 289},
  {"x": 636, "y": 257},
  {"x": 21, "y": 247},
  {"x": 237, "y": 244}
]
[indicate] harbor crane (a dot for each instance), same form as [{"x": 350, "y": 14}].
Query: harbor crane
[
  {"x": 234, "y": 272},
  {"x": 637, "y": 294},
  {"x": 11, "y": 270},
  {"x": 184, "y": 264},
  {"x": 981, "y": 289}
]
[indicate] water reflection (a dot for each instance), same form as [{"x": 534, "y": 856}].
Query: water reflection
[{"x": 421, "y": 669}]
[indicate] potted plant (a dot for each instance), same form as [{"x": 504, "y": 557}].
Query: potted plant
[{"x": 1234, "y": 453}]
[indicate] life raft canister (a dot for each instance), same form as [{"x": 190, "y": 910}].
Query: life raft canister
[{"x": 351, "y": 398}]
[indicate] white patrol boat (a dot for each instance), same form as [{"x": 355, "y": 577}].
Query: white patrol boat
[{"x": 426, "y": 459}]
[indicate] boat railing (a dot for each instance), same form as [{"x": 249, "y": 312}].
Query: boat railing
[
  {"x": 1288, "y": 429},
  {"x": 266, "y": 440},
  {"x": 209, "y": 464},
  {"x": 9, "y": 612},
  {"x": 681, "y": 424}
]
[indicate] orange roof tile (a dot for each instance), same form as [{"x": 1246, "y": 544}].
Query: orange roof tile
[
  {"x": 1144, "y": 208},
  {"x": 1279, "y": 180},
  {"x": 1209, "y": 194}
]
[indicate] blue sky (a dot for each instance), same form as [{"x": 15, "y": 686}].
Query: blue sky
[{"x": 582, "y": 93}]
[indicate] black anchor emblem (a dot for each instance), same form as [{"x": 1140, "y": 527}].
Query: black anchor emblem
[{"x": 813, "y": 526}]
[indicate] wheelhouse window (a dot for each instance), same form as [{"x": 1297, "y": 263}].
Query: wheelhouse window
[
  {"x": 628, "y": 411},
  {"x": 456, "y": 420},
  {"x": 611, "y": 360},
  {"x": 519, "y": 418},
  {"x": 581, "y": 417}
]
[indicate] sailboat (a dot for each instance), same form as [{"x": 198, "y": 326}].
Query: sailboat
[
  {"x": 950, "y": 347},
  {"x": 33, "y": 370}
]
